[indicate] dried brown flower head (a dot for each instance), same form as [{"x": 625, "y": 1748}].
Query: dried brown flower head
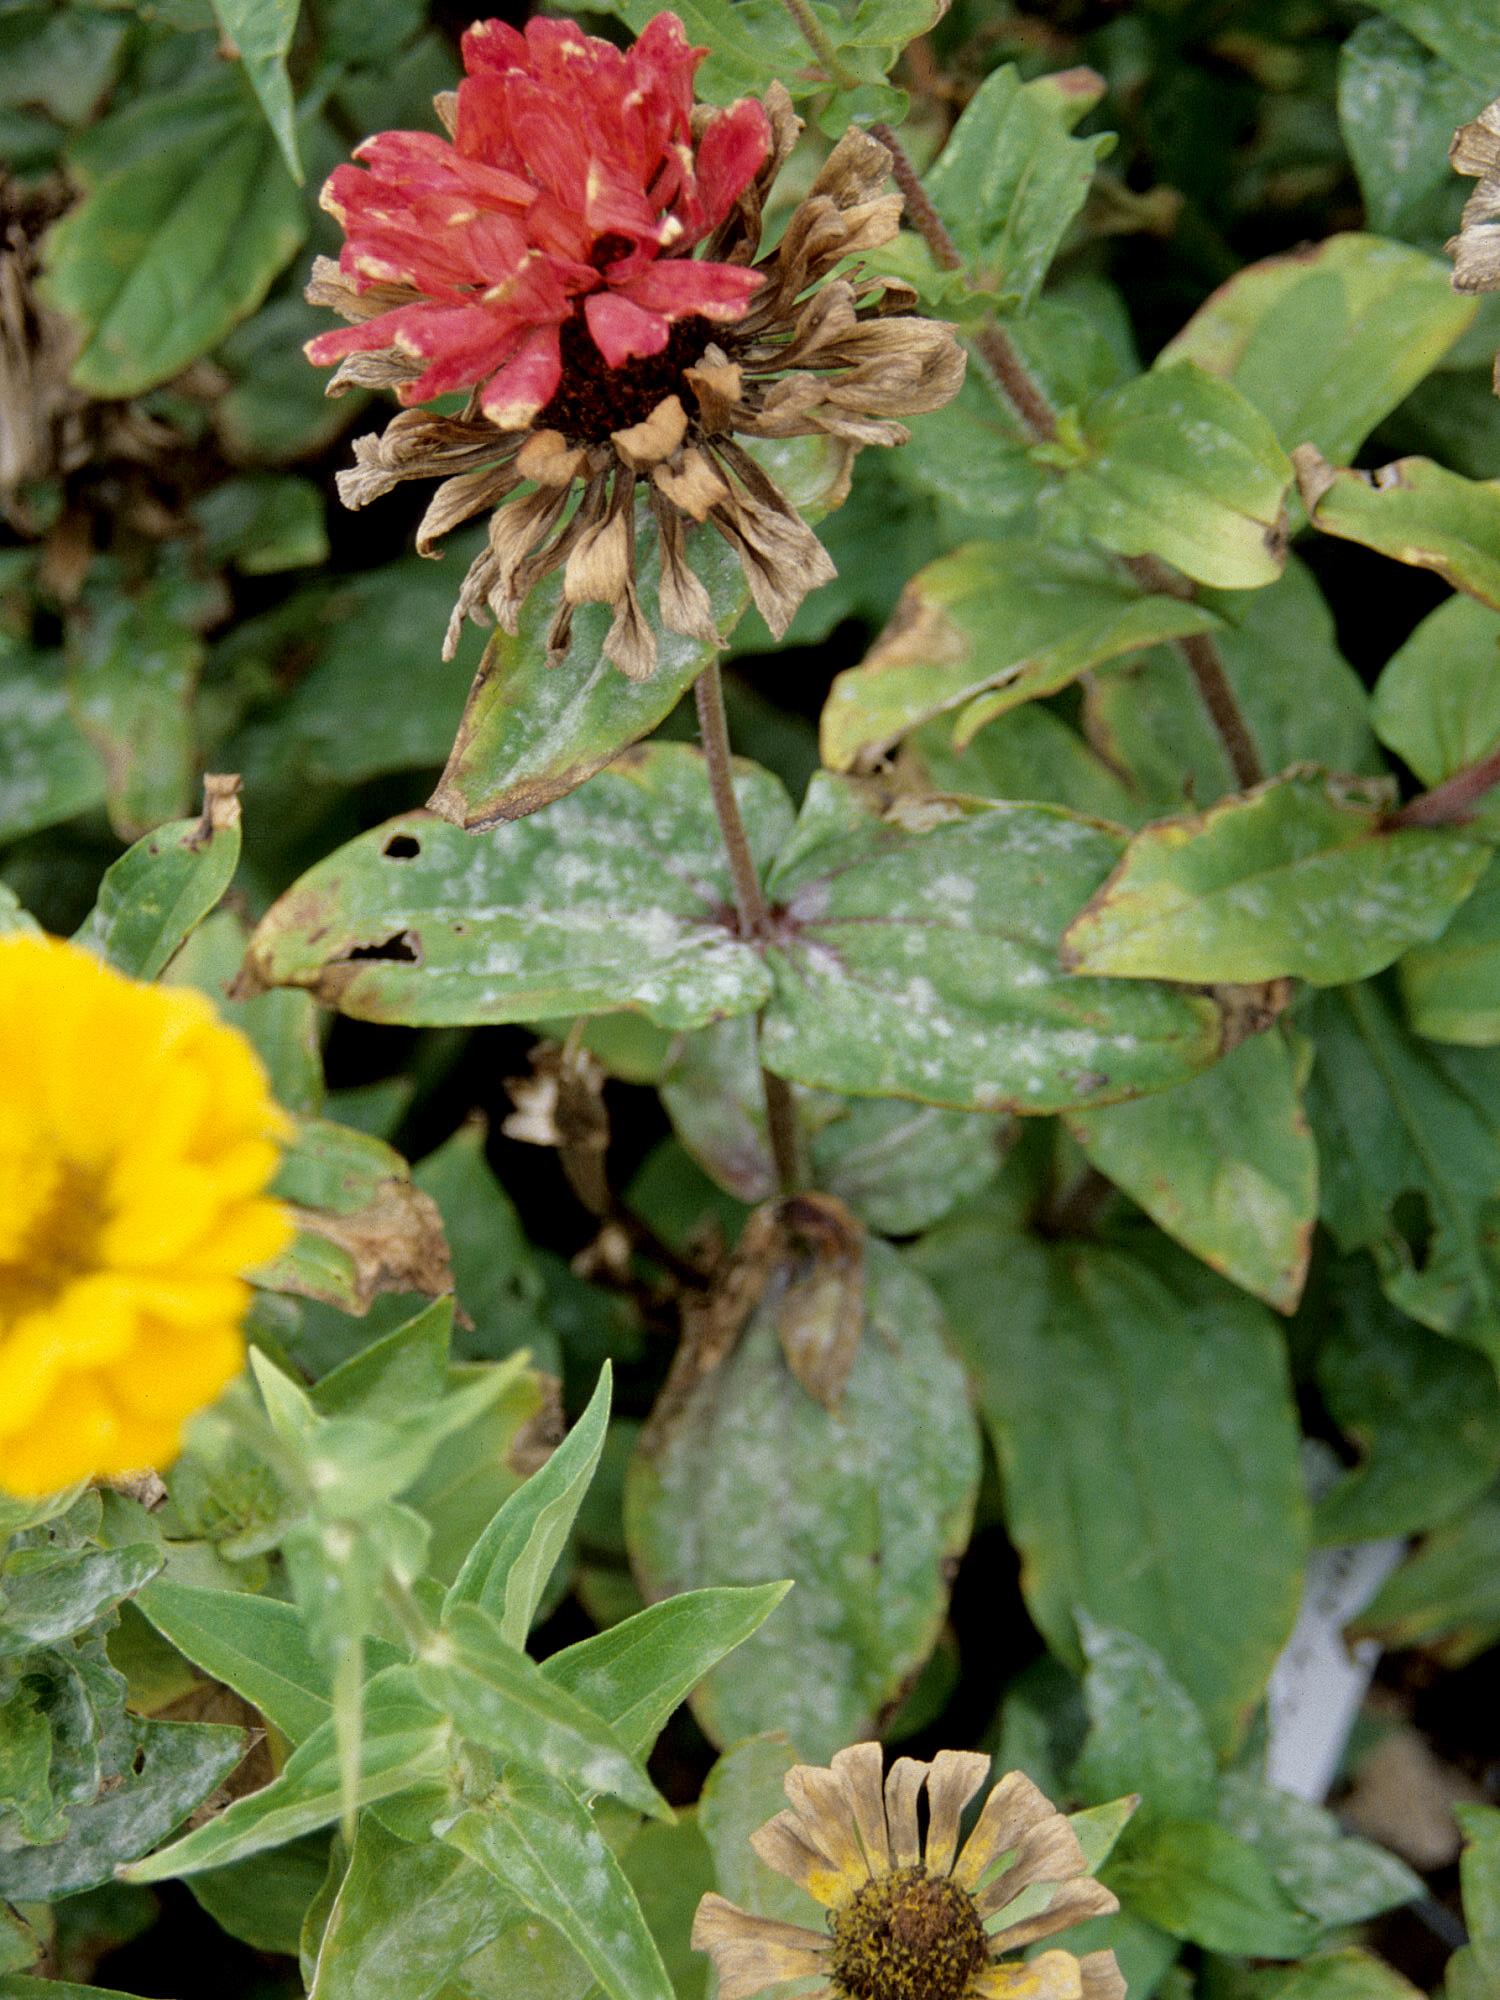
[{"x": 909, "y": 1920}]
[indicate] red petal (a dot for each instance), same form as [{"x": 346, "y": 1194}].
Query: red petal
[
  {"x": 493, "y": 45},
  {"x": 527, "y": 383},
  {"x": 622, "y": 331},
  {"x": 736, "y": 144},
  {"x": 678, "y": 287}
]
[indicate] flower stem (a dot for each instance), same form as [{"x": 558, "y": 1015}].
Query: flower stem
[
  {"x": 813, "y": 33},
  {"x": 1029, "y": 400},
  {"x": 750, "y": 904},
  {"x": 1451, "y": 802}
]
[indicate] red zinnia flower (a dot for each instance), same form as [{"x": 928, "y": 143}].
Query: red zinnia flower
[
  {"x": 583, "y": 257},
  {"x": 574, "y": 175}
]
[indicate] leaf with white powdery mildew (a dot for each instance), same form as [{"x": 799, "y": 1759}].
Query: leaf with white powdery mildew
[
  {"x": 863, "y": 1507},
  {"x": 917, "y": 956},
  {"x": 616, "y": 897},
  {"x": 1299, "y": 878}
]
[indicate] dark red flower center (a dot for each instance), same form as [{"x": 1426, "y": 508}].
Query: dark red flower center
[{"x": 592, "y": 400}]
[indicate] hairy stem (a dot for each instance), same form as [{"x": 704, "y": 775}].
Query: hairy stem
[
  {"x": 1028, "y": 399},
  {"x": 750, "y": 903},
  {"x": 1451, "y": 802},
  {"x": 812, "y": 32}
]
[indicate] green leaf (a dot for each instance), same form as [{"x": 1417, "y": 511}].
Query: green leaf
[
  {"x": 1453, "y": 987},
  {"x": 671, "y": 1869},
  {"x": 1145, "y": 1732},
  {"x": 256, "y": 1645},
  {"x": 1029, "y": 754},
  {"x": 502, "y": 1700},
  {"x": 1398, "y": 110},
  {"x": 405, "y": 1918},
  {"x": 1010, "y": 180},
  {"x": 1445, "y": 1599},
  {"x": 917, "y": 957},
  {"x": 132, "y": 670},
  {"x": 50, "y": 772},
  {"x": 1200, "y": 1882},
  {"x": 1329, "y": 341},
  {"x": 507, "y": 1569},
  {"x": 1409, "y": 1141},
  {"x": 532, "y": 733},
  {"x": 1336, "y": 1879},
  {"x": 1337, "y": 1975},
  {"x": 1225, "y": 1163},
  {"x": 1463, "y": 32},
  {"x": 263, "y": 523},
  {"x": 160, "y": 890},
  {"x": 745, "y": 1788},
  {"x": 1424, "y": 1412},
  {"x": 637, "y": 1672},
  {"x": 863, "y": 1507},
  {"x": 1299, "y": 877},
  {"x": 1437, "y": 702},
  {"x": 612, "y": 898},
  {"x": 177, "y": 241},
  {"x": 261, "y": 30},
  {"x": 1143, "y": 1420},
  {"x": 48, "y": 1594},
  {"x": 263, "y": 1900},
  {"x": 168, "y": 1769},
  {"x": 404, "y": 1743},
  {"x": 1180, "y": 465},
  {"x": 539, "y": 1841},
  {"x": 1472, "y": 1972},
  {"x": 981, "y": 630},
  {"x": 1415, "y": 512}
]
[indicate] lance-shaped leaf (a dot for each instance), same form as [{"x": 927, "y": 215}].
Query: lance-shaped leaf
[
  {"x": 256, "y": 1645},
  {"x": 532, "y": 733},
  {"x": 1010, "y": 179},
  {"x": 1180, "y": 465},
  {"x": 538, "y": 1840},
  {"x": 1394, "y": 1118},
  {"x": 362, "y": 1227},
  {"x": 160, "y": 890},
  {"x": 986, "y": 628},
  {"x": 863, "y": 1506},
  {"x": 1328, "y": 341},
  {"x": 1299, "y": 878},
  {"x": 508, "y": 1568},
  {"x": 1334, "y": 1877},
  {"x": 917, "y": 956},
  {"x": 1414, "y": 511},
  {"x": 1437, "y": 702},
  {"x": 501, "y": 1700},
  {"x": 1225, "y": 1163},
  {"x": 635, "y": 1673},
  {"x": 188, "y": 216},
  {"x": 405, "y": 1742},
  {"x": 1143, "y": 1417},
  {"x": 261, "y": 30},
  {"x": 615, "y": 897}
]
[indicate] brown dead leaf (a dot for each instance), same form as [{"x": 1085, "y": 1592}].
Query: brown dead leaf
[{"x": 395, "y": 1242}]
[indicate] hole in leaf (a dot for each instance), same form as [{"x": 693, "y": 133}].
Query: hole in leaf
[
  {"x": 401, "y": 847},
  {"x": 402, "y": 948},
  {"x": 138, "y": 1762},
  {"x": 1411, "y": 1216}
]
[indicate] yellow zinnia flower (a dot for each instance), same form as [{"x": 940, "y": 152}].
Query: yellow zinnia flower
[
  {"x": 908, "y": 1921},
  {"x": 137, "y": 1137}
]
